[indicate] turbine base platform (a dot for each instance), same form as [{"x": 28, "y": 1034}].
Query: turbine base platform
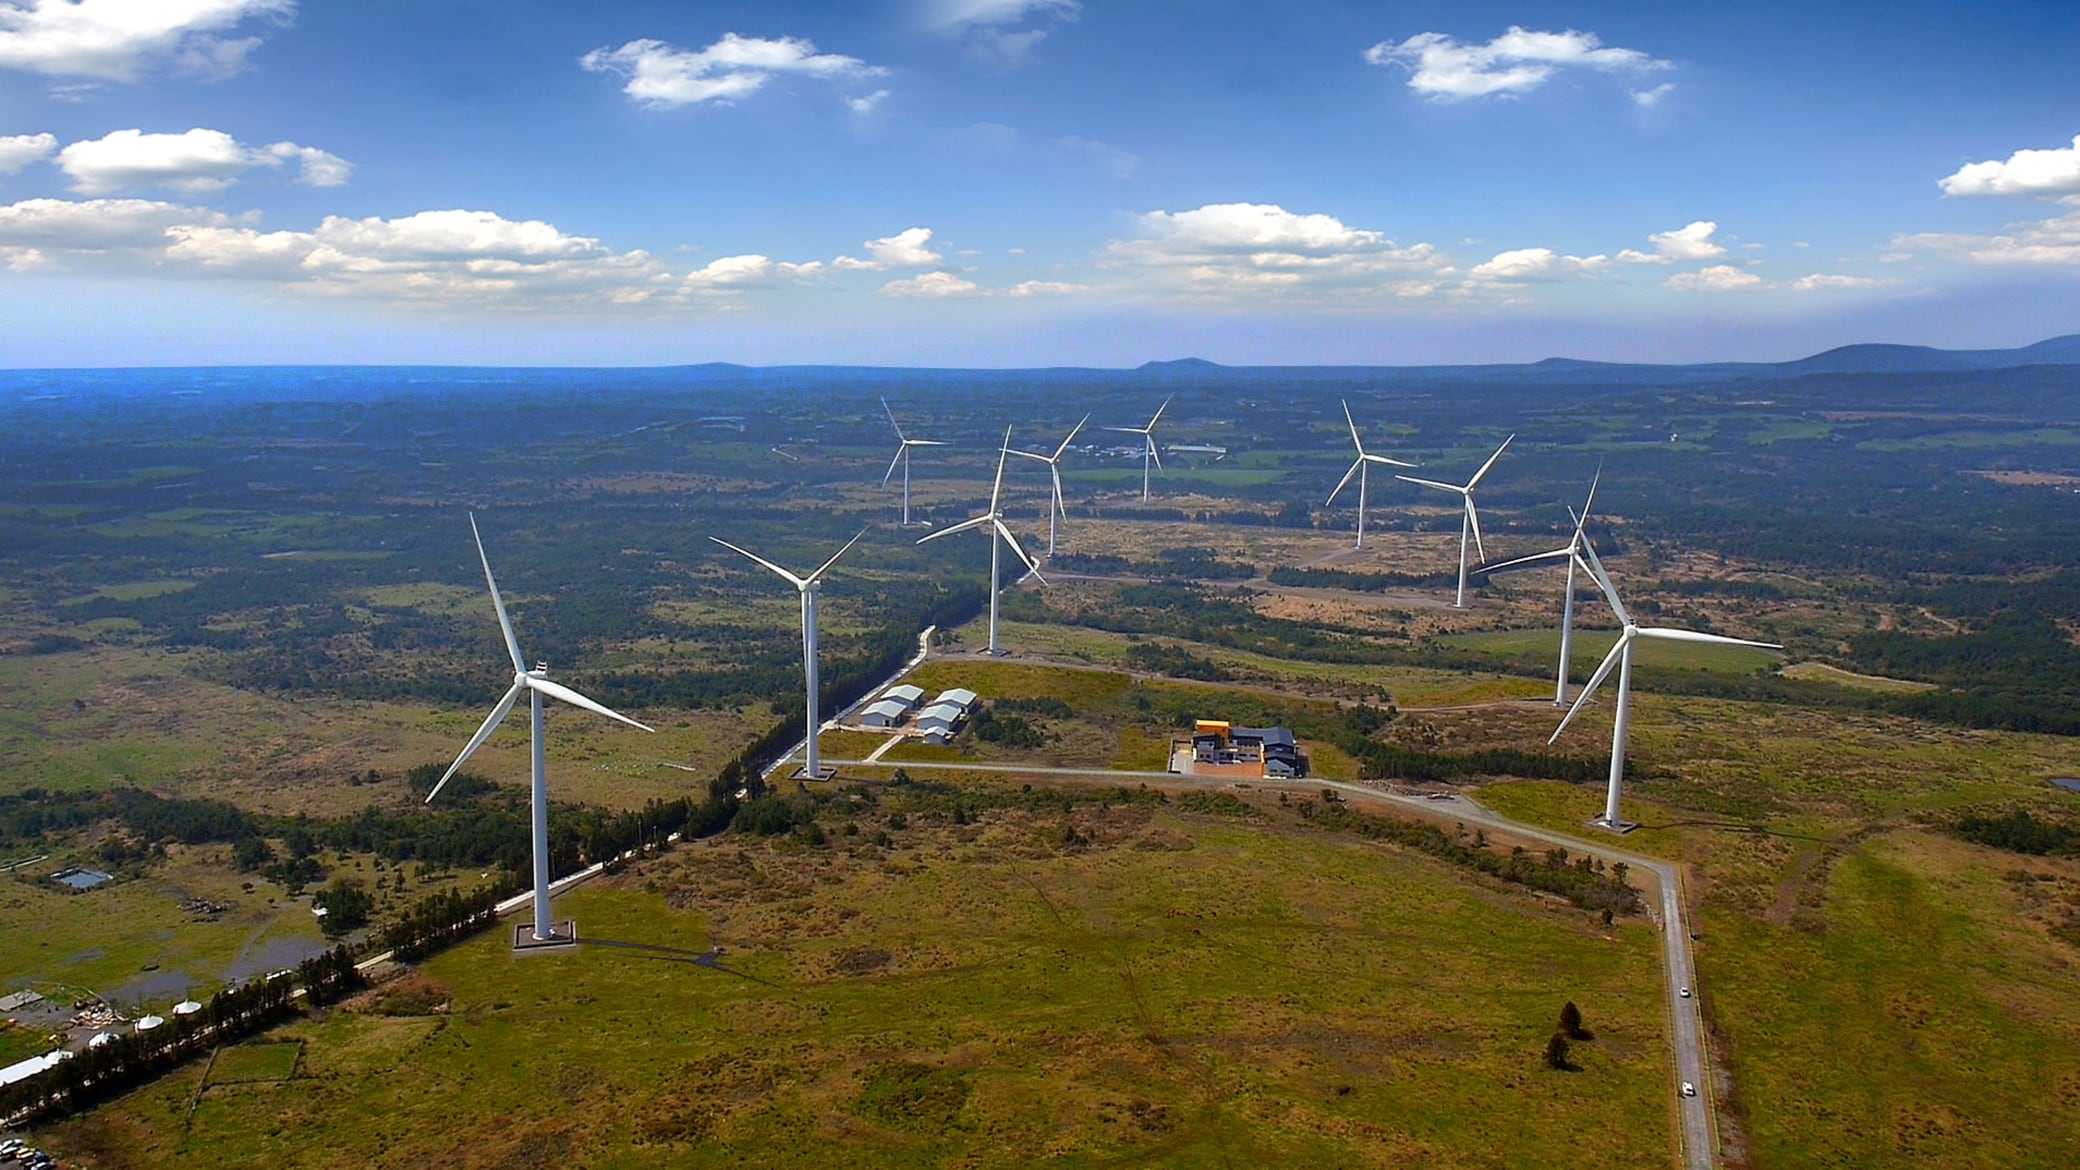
[
  {"x": 1620, "y": 828},
  {"x": 562, "y": 936},
  {"x": 824, "y": 772}
]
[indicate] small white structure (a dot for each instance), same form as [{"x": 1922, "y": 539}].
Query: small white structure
[
  {"x": 941, "y": 719},
  {"x": 907, "y": 694},
  {"x": 101, "y": 1038},
  {"x": 23, "y": 1070},
  {"x": 965, "y": 698},
  {"x": 186, "y": 1007},
  {"x": 886, "y": 713},
  {"x": 150, "y": 1022}
]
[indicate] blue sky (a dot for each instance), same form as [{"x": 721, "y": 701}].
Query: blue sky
[{"x": 1029, "y": 182}]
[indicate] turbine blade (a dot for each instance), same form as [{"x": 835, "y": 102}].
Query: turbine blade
[
  {"x": 1355, "y": 440},
  {"x": 922, "y": 443},
  {"x": 1153, "y": 419},
  {"x": 1058, "y": 451},
  {"x": 1345, "y": 481},
  {"x": 998, "y": 490},
  {"x": 962, "y": 526},
  {"x": 1447, "y": 487},
  {"x": 1126, "y": 430},
  {"x": 505, "y": 624},
  {"x": 498, "y": 716},
  {"x": 559, "y": 691},
  {"x": 1668, "y": 635},
  {"x": 797, "y": 582},
  {"x": 1591, "y": 501},
  {"x": 1371, "y": 458},
  {"x": 1153, "y": 450},
  {"x": 1031, "y": 455},
  {"x": 1478, "y": 475},
  {"x": 1060, "y": 505},
  {"x": 1595, "y": 680},
  {"x": 1473, "y": 515},
  {"x": 892, "y": 421},
  {"x": 834, "y": 556},
  {"x": 1591, "y": 562},
  {"x": 900, "y": 452},
  {"x": 1534, "y": 558},
  {"x": 1015, "y": 546}
]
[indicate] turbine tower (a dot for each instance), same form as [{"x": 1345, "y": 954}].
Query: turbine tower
[
  {"x": 1358, "y": 468},
  {"x": 1058, "y": 509},
  {"x": 992, "y": 523},
  {"x": 808, "y": 586},
  {"x": 1148, "y": 439},
  {"x": 903, "y": 445},
  {"x": 1621, "y": 657},
  {"x": 1470, "y": 521},
  {"x": 1571, "y": 552},
  {"x": 536, "y": 684}
]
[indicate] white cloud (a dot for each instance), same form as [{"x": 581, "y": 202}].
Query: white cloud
[
  {"x": 866, "y": 103},
  {"x": 953, "y": 13},
  {"x": 1821, "y": 281},
  {"x": 932, "y": 285},
  {"x": 1231, "y": 249},
  {"x": 94, "y": 225},
  {"x": 2026, "y": 172},
  {"x": 1526, "y": 264},
  {"x": 662, "y": 75},
  {"x": 20, "y": 150},
  {"x": 731, "y": 273},
  {"x": 1520, "y": 60},
  {"x": 986, "y": 26},
  {"x": 1647, "y": 99},
  {"x": 1678, "y": 245},
  {"x": 1045, "y": 288},
  {"x": 116, "y": 40},
  {"x": 906, "y": 249},
  {"x": 196, "y": 161},
  {"x": 1717, "y": 278},
  {"x": 2049, "y": 241}
]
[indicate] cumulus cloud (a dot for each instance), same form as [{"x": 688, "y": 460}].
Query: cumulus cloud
[
  {"x": 1717, "y": 278},
  {"x": 196, "y": 161},
  {"x": 661, "y": 75},
  {"x": 2052, "y": 172},
  {"x": 1822, "y": 281},
  {"x": 1445, "y": 69},
  {"x": 1045, "y": 288},
  {"x": 1530, "y": 264},
  {"x": 1647, "y": 99},
  {"x": 906, "y": 249},
  {"x": 865, "y": 103},
  {"x": 2048, "y": 241},
  {"x": 94, "y": 225},
  {"x": 990, "y": 29},
  {"x": 931, "y": 285},
  {"x": 731, "y": 273},
  {"x": 20, "y": 150},
  {"x": 119, "y": 40},
  {"x": 1229, "y": 249},
  {"x": 1678, "y": 245}
]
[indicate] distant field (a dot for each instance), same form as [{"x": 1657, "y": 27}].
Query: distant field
[
  {"x": 1822, "y": 672},
  {"x": 983, "y": 997},
  {"x": 1590, "y": 646}
]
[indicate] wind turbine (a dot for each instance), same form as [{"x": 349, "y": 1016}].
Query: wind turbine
[
  {"x": 1058, "y": 510},
  {"x": 1148, "y": 438},
  {"x": 903, "y": 445},
  {"x": 535, "y": 683},
  {"x": 1470, "y": 522},
  {"x": 808, "y": 586},
  {"x": 1359, "y": 468},
  {"x": 1571, "y": 552},
  {"x": 992, "y": 522},
  {"x": 1621, "y": 657}
]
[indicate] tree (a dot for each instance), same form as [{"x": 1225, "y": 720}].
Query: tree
[{"x": 1556, "y": 1053}]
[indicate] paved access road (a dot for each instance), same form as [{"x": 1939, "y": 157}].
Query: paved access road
[{"x": 1686, "y": 1031}]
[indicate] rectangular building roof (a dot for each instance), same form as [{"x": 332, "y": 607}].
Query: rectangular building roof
[
  {"x": 961, "y": 695},
  {"x": 906, "y": 693},
  {"x": 889, "y": 708}
]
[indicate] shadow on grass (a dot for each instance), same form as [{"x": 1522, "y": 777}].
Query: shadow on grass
[{"x": 710, "y": 959}]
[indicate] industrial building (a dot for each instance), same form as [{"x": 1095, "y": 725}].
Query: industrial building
[{"x": 1219, "y": 748}]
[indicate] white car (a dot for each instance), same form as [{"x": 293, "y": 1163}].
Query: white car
[
  {"x": 1685, "y": 993},
  {"x": 1689, "y": 1090}
]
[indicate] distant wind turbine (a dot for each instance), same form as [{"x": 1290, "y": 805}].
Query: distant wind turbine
[
  {"x": 808, "y": 587},
  {"x": 1359, "y": 468},
  {"x": 536, "y": 684},
  {"x": 903, "y": 445},
  {"x": 1148, "y": 450},
  {"x": 1470, "y": 520},
  {"x": 1621, "y": 657},
  {"x": 1571, "y": 552},
  {"x": 1058, "y": 509},
  {"x": 992, "y": 522}
]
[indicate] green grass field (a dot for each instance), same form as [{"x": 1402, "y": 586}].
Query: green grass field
[
  {"x": 1591, "y": 645},
  {"x": 981, "y": 998}
]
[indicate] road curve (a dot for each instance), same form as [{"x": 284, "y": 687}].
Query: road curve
[{"x": 1686, "y": 1031}]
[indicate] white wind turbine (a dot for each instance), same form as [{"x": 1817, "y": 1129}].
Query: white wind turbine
[
  {"x": 1470, "y": 521},
  {"x": 903, "y": 445},
  {"x": 808, "y": 586},
  {"x": 1148, "y": 439},
  {"x": 1621, "y": 657},
  {"x": 1571, "y": 552},
  {"x": 1359, "y": 468},
  {"x": 1059, "y": 510},
  {"x": 535, "y": 683},
  {"x": 992, "y": 522}
]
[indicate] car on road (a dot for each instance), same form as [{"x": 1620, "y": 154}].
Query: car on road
[
  {"x": 1689, "y": 1090},
  {"x": 1686, "y": 993}
]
